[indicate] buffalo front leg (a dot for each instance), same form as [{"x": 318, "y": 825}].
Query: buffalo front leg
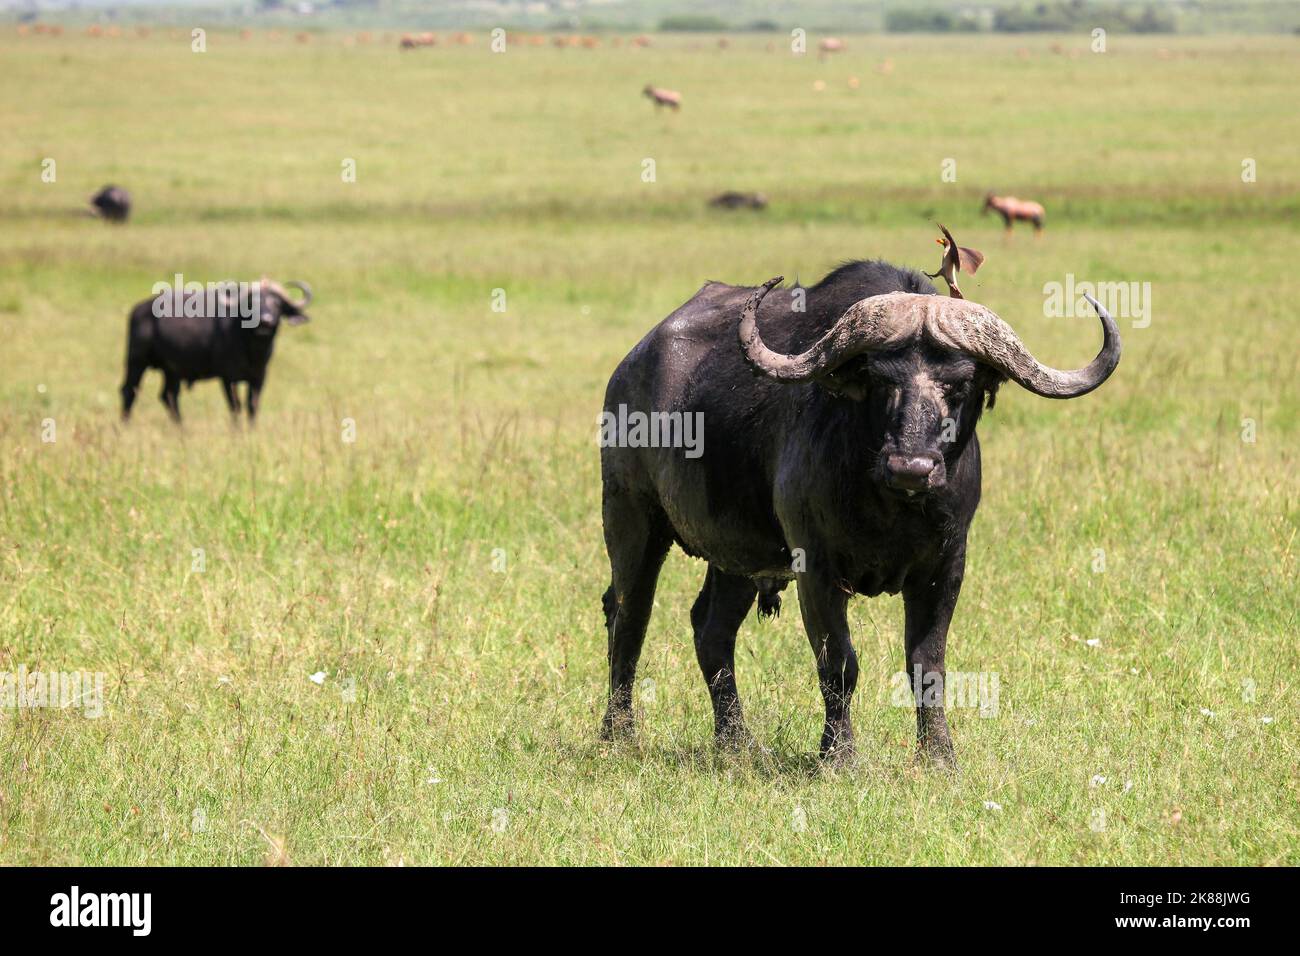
[
  {"x": 232, "y": 397},
  {"x": 254, "y": 398},
  {"x": 929, "y": 603},
  {"x": 721, "y": 608},
  {"x": 825, "y": 617}
]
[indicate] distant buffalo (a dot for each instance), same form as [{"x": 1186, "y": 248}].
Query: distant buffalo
[
  {"x": 112, "y": 203},
  {"x": 226, "y": 331},
  {"x": 735, "y": 200}
]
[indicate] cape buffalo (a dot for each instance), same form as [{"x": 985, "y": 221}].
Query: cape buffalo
[
  {"x": 226, "y": 332},
  {"x": 841, "y": 454},
  {"x": 738, "y": 200},
  {"x": 112, "y": 203}
]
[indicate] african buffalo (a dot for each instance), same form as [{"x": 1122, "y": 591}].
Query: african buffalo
[
  {"x": 738, "y": 200},
  {"x": 112, "y": 203},
  {"x": 226, "y": 332},
  {"x": 841, "y": 453}
]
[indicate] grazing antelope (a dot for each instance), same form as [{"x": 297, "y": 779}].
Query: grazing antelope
[
  {"x": 1012, "y": 209},
  {"x": 670, "y": 98},
  {"x": 411, "y": 41},
  {"x": 828, "y": 46}
]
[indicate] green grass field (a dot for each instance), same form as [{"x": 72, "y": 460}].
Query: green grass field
[{"x": 456, "y": 721}]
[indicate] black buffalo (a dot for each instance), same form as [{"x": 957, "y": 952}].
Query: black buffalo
[
  {"x": 112, "y": 203},
  {"x": 738, "y": 200},
  {"x": 841, "y": 453},
  {"x": 226, "y": 333}
]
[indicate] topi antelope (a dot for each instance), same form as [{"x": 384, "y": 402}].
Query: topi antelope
[
  {"x": 1014, "y": 210},
  {"x": 661, "y": 97}
]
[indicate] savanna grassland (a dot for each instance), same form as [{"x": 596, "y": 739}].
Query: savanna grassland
[{"x": 1133, "y": 569}]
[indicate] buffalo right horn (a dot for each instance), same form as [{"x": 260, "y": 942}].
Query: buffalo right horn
[
  {"x": 304, "y": 288},
  {"x": 868, "y": 325}
]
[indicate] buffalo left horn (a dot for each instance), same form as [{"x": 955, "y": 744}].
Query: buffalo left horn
[{"x": 983, "y": 336}]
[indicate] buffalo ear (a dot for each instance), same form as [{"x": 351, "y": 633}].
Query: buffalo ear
[
  {"x": 851, "y": 380},
  {"x": 297, "y": 318},
  {"x": 991, "y": 386}
]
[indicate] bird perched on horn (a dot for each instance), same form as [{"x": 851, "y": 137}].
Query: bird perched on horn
[{"x": 955, "y": 259}]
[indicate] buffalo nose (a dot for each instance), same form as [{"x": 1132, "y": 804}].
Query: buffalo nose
[{"x": 908, "y": 472}]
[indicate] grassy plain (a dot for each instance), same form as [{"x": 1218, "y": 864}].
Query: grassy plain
[{"x": 456, "y": 719}]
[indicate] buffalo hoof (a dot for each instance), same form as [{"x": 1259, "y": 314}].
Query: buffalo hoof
[
  {"x": 840, "y": 756},
  {"x": 936, "y": 756},
  {"x": 837, "y": 750},
  {"x": 618, "y": 725},
  {"x": 735, "y": 738}
]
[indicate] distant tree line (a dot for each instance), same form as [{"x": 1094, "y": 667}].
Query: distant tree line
[
  {"x": 1068, "y": 16},
  {"x": 704, "y": 23},
  {"x": 1061, "y": 16},
  {"x": 911, "y": 20}
]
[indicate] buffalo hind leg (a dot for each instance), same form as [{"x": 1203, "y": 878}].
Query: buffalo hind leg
[
  {"x": 170, "y": 396},
  {"x": 825, "y": 617},
  {"x": 131, "y": 387},
  {"x": 722, "y": 606},
  {"x": 637, "y": 537}
]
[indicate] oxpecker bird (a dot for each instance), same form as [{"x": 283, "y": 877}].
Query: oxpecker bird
[{"x": 955, "y": 259}]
